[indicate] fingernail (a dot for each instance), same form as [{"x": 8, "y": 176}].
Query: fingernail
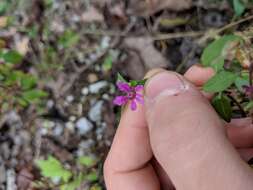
[
  {"x": 164, "y": 84},
  {"x": 250, "y": 162}
]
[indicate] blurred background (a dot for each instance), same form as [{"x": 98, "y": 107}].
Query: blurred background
[{"x": 58, "y": 65}]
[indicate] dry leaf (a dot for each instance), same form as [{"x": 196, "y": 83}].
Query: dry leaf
[
  {"x": 148, "y": 56},
  {"x": 3, "y": 21},
  {"x": 148, "y": 7},
  {"x": 92, "y": 15},
  {"x": 22, "y": 46}
]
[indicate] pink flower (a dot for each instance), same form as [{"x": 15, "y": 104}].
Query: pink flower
[
  {"x": 130, "y": 94},
  {"x": 248, "y": 90}
]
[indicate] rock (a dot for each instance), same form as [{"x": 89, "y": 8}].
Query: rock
[
  {"x": 58, "y": 130},
  {"x": 84, "y": 126},
  {"x": 14, "y": 120},
  {"x": 96, "y": 87},
  {"x": 92, "y": 78},
  {"x": 70, "y": 98},
  {"x": 70, "y": 126},
  {"x": 86, "y": 144},
  {"x": 85, "y": 91},
  {"x": 96, "y": 111},
  {"x": 50, "y": 104},
  {"x": 11, "y": 180},
  {"x": 72, "y": 118}
]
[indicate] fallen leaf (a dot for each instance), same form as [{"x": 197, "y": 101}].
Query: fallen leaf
[
  {"x": 92, "y": 15},
  {"x": 151, "y": 57},
  {"x": 3, "y": 21},
  {"x": 149, "y": 7},
  {"x": 24, "y": 179},
  {"x": 22, "y": 46}
]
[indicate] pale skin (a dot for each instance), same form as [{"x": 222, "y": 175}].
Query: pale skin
[{"x": 179, "y": 142}]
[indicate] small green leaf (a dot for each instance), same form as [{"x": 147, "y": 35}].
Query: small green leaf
[
  {"x": 107, "y": 64},
  {"x": 28, "y": 82},
  {"x": 92, "y": 176},
  {"x": 52, "y": 169},
  {"x": 34, "y": 95},
  {"x": 4, "y": 5},
  {"x": 240, "y": 82},
  {"x": 239, "y": 7},
  {"x": 86, "y": 161},
  {"x": 69, "y": 38},
  {"x": 73, "y": 185},
  {"x": 12, "y": 57},
  {"x": 222, "y": 105},
  {"x": 96, "y": 187},
  {"x": 22, "y": 102},
  {"x": 1, "y": 77},
  {"x": 133, "y": 83},
  {"x": 215, "y": 53},
  {"x": 248, "y": 106},
  {"x": 120, "y": 78},
  {"x": 220, "y": 82}
]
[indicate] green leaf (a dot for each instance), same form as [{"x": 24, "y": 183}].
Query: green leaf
[
  {"x": 220, "y": 82},
  {"x": 12, "y": 57},
  {"x": 92, "y": 176},
  {"x": 240, "y": 82},
  {"x": 215, "y": 53},
  {"x": 4, "y": 5},
  {"x": 107, "y": 64},
  {"x": 52, "y": 169},
  {"x": 13, "y": 78},
  {"x": 73, "y": 185},
  {"x": 96, "y": 187},
  {"x": 239, "y": 7},
  {"x": 68, "y": 39},
  {"x": 22, "y": 102},
  {"x": 1, "y": 77},
  {"x": 120, "y": 78},
  {"x": 34, "y": 95},
  {"x": 222, "y": 105},
  {"x": 86, "y": 161},
  {"x": 28, "y": 82}
]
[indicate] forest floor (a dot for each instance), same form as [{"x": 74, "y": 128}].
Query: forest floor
[{"x": 75, "y": 49}]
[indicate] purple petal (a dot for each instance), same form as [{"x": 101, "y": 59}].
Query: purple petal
[
  {"x": 120, "y": 100},
  {"x": 133, "y": 105},
  {"x": 139, "y": 99},
  {"x": 123, "y": 86},
  {"x": 138, "y": 88}
]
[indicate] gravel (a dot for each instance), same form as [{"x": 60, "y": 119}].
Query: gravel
[
  {"x": 84, "y": 126},
  {"x": 95, "y": 113},
  {"x": 96, "y": 87}
]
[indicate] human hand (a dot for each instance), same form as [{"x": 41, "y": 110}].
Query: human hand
[{"x": 188, "y": 140}]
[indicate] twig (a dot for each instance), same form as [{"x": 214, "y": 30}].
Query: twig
[
  {"x": 238, "y": 105},
  {"x": 209, "y": 33}
]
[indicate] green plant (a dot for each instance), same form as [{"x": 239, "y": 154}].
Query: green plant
[
  {"x": 66, "y": 179},
  {"x": 230, "y": 56},
  {"x": 18, "y": 89}
]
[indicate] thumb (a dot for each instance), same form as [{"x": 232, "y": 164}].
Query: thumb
[{"x": 188, "y": 138}]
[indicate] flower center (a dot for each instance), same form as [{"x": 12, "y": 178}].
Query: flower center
[{"x": 131, "y": 95}]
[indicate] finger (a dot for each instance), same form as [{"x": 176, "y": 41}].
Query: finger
[
  {"x": 127, "y": 165},
  {"x": 199, "y": 75},
  {"x": 186, "y": 135},
  {"x": 165, "y": 181},
  {"x": 240, "y": 132},
  {"x": 246, "y": 153}
]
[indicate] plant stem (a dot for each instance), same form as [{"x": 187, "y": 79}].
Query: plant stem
[{"x": 244, "y": 114}]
